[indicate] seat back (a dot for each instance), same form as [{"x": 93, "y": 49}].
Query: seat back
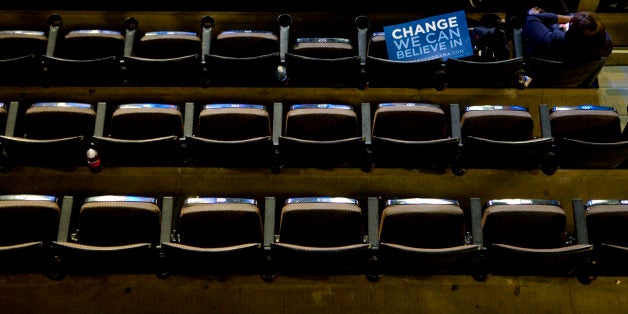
[
  {"x": 321, "y": 222},
  {"x": 145, "y": 121},
  {"x": 321, "y": 122},
  {"x": 245, "y": 43},
  {"x": 500, "y": 123},
  {"x": 52, "y": 120},
  {"x": 119, "y": 220},
  {"x": 586, "y": 123},
  {"x": 168, "y": 44},
  {"x": 607, "y": 221},
  {"x": 409, "y": 121},
  {"x": 549, "y": 73},
  {"x": 524, "y": 223},
  {"x": 28, "y": 218},
  {"x": 324, "y": 47},
  {"x": 422, "y": 223},
  {"x": 230, "y": 122},
  {"x": 91, "y": 44},
  {"x": 220, "y": 222},
  {"x": 19, "y": 43},
  {"x": 377, "y": 46}
]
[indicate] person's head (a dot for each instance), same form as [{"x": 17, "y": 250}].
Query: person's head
[{"x": 587, "y": 34}]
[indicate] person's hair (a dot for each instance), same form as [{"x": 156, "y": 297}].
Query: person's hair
[{"x": 586, "y": 37}]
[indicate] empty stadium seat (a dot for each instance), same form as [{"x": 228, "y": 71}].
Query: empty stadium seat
[
  {"x": 215, "y": 235},
  {"x": 383, "y": 72},
  {"x": 325, "y": 61},
  {"x": 588, "y": 136},
  {"x": 243, "y": 58},
  {"x": 232, "y": 135},
  {"x": 111, "y": 233},
  {"x": 50, "y": 134},
  {"x": 320, "y": 234},
  {"x": 321, "y": 135},
  {"x": 528, "y": 236},
  {"x": 422, "y": 236},
  {"x": 29, "y": 225},
  {"x": 20, "y": 56},
  {"x": 412, "y": 135},
  {"x": 83, "y": 56},
  {"x": 140, "y": 134},
  {"x": 162, "y": 57},
  {"x": 501, "y": 137},
  {"x": 606, "y": 230}
]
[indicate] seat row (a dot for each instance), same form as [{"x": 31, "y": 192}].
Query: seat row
[
  {"x": 400, "y": 135},
  {"x": 308, "y": 235},
  {"x": 253, "y": 58}
]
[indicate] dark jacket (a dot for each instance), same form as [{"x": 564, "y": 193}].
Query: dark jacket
[{"x": 544, "y": 38}]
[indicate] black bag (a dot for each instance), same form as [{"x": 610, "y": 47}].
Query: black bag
[{"x": 489, "y": 44}]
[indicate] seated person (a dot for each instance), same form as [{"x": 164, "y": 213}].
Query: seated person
[{"x": 577, "y": 38}]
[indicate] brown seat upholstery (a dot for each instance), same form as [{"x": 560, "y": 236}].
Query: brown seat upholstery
[
  {"x": 28, "y": 218},
  {"x": 232, "y": 122},
  {"x": 220, "y": 222},
  {"x": 321, "y": 122},
  {"x": 142, "y": 134},
  {"x": 111, "y": 233},
  {"x": 91, "y": 44},
  {"x": 421, "y": 235},
  {"x": 28, "y": 225},
  {"x": 529, "y": 236},
  {"x": 321, "y": 134},
  {"x": 422, "y": 223},
  {"x": 588, "y": 136},
  {"x": 322, "y": 61},
  {"x": 145, "y": 121},
  {"x": 497, "y": 123},
  {"x": 243, "y": 58},
  {"x": 51, "y": 133},
  {"x": 59, "y": 120},
  {"x": 606, "y": 229},
  {"x": 324, "y": 222},
  {"x": 245, "y": 43},
  {"x": 86, "y": 56},
  {"x": 606, "y": 222},
  {"x": 531, "y": 224},
  {"x": 168, "y": 44},
  {"x": 232, "y": 135},
  {"x": 501, "y": 137},
  {"x": 165, "y": 58},
  {"x": 19, "y": 43},
  {"x": 20, "y": 55},
  {"x": 216, "y": 235},
  {"x": 412, "y": 135},
  {"x": 119, "y": 221},
  {"x": 320, "y": 235}
]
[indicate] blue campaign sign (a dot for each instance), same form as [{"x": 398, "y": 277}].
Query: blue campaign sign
[{"x": 442, "y": 36}]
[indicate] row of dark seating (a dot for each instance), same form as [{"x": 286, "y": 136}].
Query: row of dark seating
[
  {"x": 400, "y": 135},
  {"x": 253, "y": 58},
  {"x": 306, "y": 235}
]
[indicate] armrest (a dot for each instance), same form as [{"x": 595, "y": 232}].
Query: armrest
[{"x": 580, "y": 223}]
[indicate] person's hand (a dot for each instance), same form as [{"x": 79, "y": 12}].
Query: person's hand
[{"x": 535, "y": 10}]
